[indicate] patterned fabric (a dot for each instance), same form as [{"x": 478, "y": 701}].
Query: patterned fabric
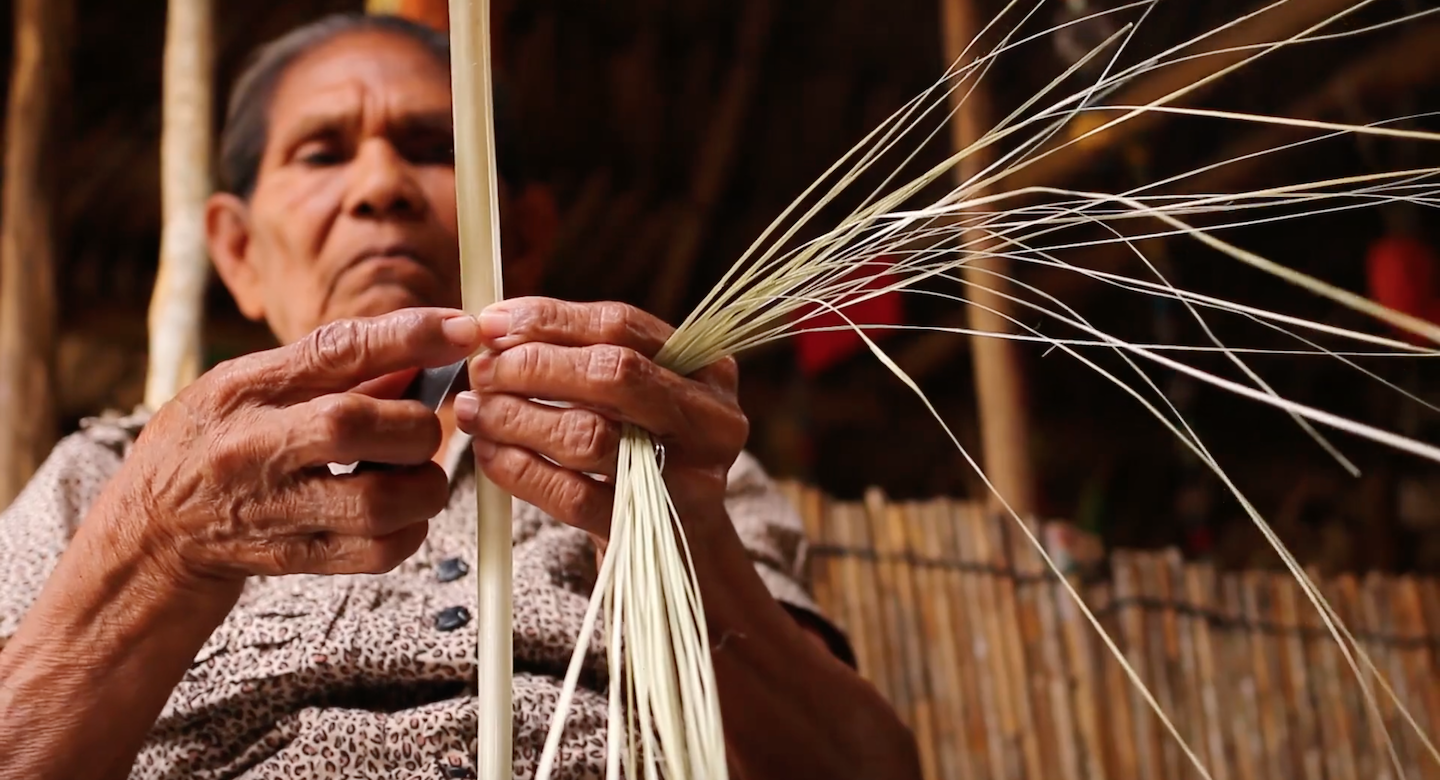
[{"x": 355, "y": 676}]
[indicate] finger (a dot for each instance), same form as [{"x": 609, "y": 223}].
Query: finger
[
  {"x": 723, "y": 375},
  {"x": 342, "y": 354},
  {"x": 390, "y": 386},
  {"x": 371, "y": 504},
  {"x": 517, "y": 321},
  {"x": 574, "y": 438},
  {"x": 330, "y": 553},
  {"x": 351, "y": 427},
  {"x": 621, "y": 384},
  {"x": 568, "y": 496},
  {"x": 363, "y": 555}
]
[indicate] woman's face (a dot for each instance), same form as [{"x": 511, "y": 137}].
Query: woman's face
[{"x": 353, "y": 212}]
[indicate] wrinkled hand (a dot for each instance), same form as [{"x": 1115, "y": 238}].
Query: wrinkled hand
[
  {"x": 596, "y": 357},
  {"x": 230, "y": 478}
]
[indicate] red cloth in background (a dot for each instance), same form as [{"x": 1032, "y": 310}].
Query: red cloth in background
[
  {"x": 822, "y": 350},
  {"x": 1401, "y": 272}
]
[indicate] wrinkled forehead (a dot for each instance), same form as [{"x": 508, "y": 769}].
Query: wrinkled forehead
[{"x": 357, "y": 75}]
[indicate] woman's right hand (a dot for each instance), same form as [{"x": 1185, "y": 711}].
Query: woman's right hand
[{"x": 230, "y": 478}]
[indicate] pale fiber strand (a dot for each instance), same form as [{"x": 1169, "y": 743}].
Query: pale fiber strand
[
  {"x": 659, "y": 653},
  {"x": 477, "y": 204}
]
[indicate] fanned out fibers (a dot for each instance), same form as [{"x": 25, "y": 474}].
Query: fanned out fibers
[{"x": 664, "y": 712}]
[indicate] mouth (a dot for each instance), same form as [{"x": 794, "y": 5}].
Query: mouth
[
  {"x": 380, "y": 267},
  {"x": 390, "y": 253}
]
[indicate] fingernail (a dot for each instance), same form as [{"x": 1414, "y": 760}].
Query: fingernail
[
  {"x": 462, "y": 331},
  {"x": 494, "y": 324},
  {"x": 467, "y": 406},
  {"x": 484, "y": 450}
]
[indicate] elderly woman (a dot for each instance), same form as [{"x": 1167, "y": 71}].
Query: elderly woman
[{"x": 195, "y": 594}]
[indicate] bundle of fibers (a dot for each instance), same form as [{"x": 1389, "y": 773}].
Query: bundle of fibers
[{"x": 664, "y": 716}]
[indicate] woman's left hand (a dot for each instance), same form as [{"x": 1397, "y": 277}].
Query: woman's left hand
[{"x": 597, "y": 358}]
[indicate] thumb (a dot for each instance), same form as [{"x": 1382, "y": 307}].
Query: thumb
[{"x": 347, "y": 354}]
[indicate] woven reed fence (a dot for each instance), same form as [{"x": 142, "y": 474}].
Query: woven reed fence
[{"x": 954, "y": 618}]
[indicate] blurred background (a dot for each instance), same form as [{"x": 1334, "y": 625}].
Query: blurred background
[{"x": 666, "y": 134}]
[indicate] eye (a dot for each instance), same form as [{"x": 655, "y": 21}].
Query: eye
[
  {"x": 429, "y": 148},
  {"x": 320, "y": 154}
]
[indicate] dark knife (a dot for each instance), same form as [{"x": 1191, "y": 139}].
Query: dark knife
[{"x": 430, "y": 387}]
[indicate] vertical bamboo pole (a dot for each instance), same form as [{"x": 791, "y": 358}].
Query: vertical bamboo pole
[
  {"x": 994, "y": 701},
  {"x": 891, "y": 519},
  {"x": 846, "y": 587},
  {"x": 177, "y": 307},
  {"x": 1162, "y": 649},
  {"x": 1216, "y": 693},
  {"x": 480, "y": 278},
  {"x": 1332, "y": 675},
  {"x": 1129, "y": 589},
  {"x": 27, "y": 263},
  {"x": 969, "y": 653},
  {"x": 999, "y": 387},
  {"x": 936, "y": 587},
  {"x": 1091, "y": 718},
  {"x": 1245, "y": 720}
]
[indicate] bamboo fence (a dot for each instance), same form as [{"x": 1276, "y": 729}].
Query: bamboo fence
[{"x": 955, "y": 619}]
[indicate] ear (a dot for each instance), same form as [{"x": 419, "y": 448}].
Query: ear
[
  {"x": 227, "y": 232},
  {"x": 535, "y": 222}
]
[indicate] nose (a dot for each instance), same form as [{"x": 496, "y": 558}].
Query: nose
[{"x": 383, "y": 185}]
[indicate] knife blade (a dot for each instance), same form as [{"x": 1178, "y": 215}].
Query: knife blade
[{"x": 430, "y": 387}]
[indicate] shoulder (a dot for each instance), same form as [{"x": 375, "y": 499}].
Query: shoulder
[
  {"x": 746, "y": 473},
  {"x": 76, "y": 470},
  {"x": 768, "y": 524},
  {"x": 113, "y": 430},
  {"x": 37, "y": 527},
  {"x": 771, "y": 528},
  {"x": 753, "y": 497},
  {"x": 100, "y": 446}
]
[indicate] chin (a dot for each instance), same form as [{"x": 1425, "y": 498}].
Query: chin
[{"x": 385, "y": 298}]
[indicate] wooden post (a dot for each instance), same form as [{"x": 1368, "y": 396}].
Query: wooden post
[
  {"x": 177, "y": 307},
  {"x": 27, "y": 263},
  {"x": 999, "y": 382}
]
